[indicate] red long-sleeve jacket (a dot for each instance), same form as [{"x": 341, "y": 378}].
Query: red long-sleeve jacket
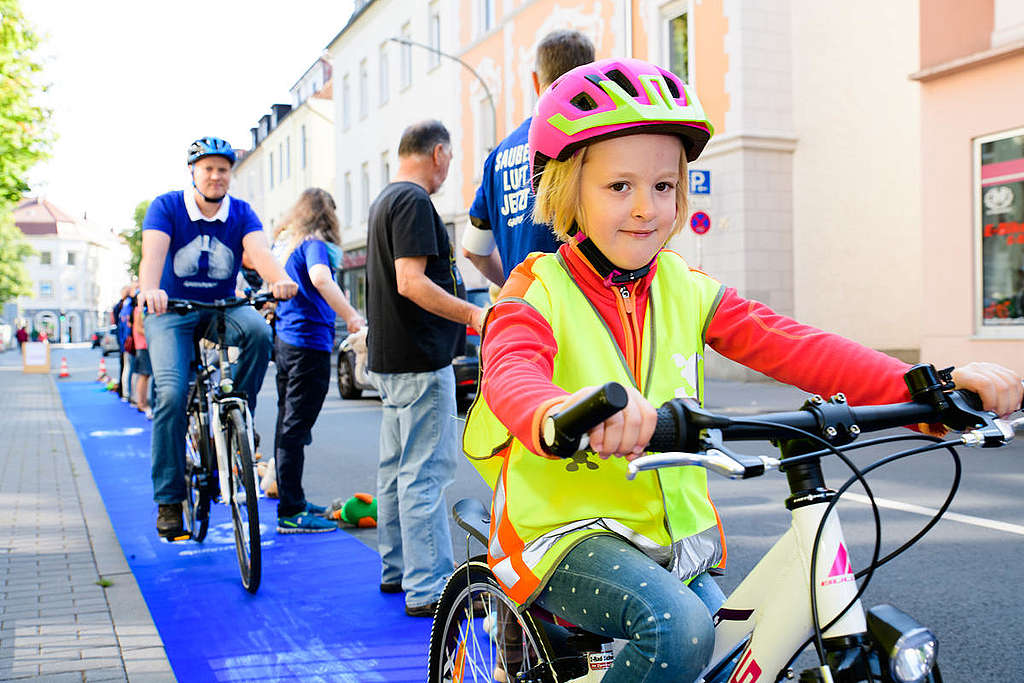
[{"x": 519, "y": 348}]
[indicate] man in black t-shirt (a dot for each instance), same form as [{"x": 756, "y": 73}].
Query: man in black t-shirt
[{"x": 415, "y": 320}]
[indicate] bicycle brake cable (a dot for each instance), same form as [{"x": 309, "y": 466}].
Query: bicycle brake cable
[
  {"x": 868, "y": 571},
  {"x": 819, "y": 645}
]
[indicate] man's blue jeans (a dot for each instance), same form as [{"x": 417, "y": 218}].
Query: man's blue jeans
[
  {"x": 417, "y": 463},
  {"x": 169, "y": 338},
  {"x": 607, "y": 586}
]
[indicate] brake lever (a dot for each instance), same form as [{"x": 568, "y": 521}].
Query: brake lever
[{"x": 749, "y": 465}]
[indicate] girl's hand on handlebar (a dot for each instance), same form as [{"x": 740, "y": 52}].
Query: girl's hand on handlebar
[
  {"x": 627, "y": 432},
  {"x": 154, "y": 300},
  {"x": 999, "y": 388},
  {"x": 284, "y": 289}
]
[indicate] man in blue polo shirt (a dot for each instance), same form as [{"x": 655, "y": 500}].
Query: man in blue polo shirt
[
  {"x": 502, "y": 212},
  {"x": 192, "y": 243}
]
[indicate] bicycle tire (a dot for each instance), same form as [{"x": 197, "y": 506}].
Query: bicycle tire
[
  {"x": 243, "y": 500},
  {"x": 479, "y": 635},
  {"x": 198, "y": 477}
]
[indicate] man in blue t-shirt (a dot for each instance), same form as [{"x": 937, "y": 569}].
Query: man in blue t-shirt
[
  {"x": 192, "y": 244},
  {"x": 502, "y": 212}
]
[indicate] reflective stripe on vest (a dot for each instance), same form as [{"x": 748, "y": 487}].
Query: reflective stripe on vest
[{"x": 543, "y": 507}]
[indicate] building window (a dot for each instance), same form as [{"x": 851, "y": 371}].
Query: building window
[
  {"x": 406, "y": 57},
  {"x": 348, "y": 199},
  {"x": 677, "y": 41},
  {"x": 1000, "y": 180},
  {"x": 45, "y": 289},
  {"x": 346, "y": 103},
  {"x": 364, "y": 90},
  {"x": 486, "y": 18},
  {"x": 70, "y": 293},
  {"x": 288, "y": 155},
  {"x": 303, "y": 152},
  {"x": 385, "y": 169},
  {"x": 271, "y": 170},
  {"x": 45, "y": 258},
  {"x": 434, "y": 33},
  {"x": 71, "y": 256},
  {"x": 383, "y": 56},
  {"x": 364, "y": 187},
  {"x": 280, "y": 162}
]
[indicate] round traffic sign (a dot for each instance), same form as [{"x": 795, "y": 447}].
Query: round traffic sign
[{"x": 700, "y": 222}]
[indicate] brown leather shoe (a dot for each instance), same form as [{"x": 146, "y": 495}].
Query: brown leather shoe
[
  {"x": 391, "y": 587},
  {"x": 168, "y": 520},
  {"x": 422, "y": 610}
]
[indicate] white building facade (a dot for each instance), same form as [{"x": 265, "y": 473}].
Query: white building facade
[
  {"x": 77, "y": 272},
  {"x": 293, "y": 149}
]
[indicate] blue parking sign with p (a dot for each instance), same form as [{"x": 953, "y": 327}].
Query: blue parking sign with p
[{"x": 700, "y": 182}]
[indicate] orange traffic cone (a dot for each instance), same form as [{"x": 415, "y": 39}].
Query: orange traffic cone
[
  {"x": 101, "y": 375},
  {"x": 64, "y": 367}
]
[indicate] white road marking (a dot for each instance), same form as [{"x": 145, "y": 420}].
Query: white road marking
[{"x": 929, "y": 512}]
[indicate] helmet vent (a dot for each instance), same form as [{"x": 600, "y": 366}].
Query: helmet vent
[
  {"x": 620, "y": 79},
  {"x": 583, "y": 102},
  {"x": 673, "y": 89}
]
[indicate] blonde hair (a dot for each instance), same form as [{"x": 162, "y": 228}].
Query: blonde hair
[
  {"x": 312, "y": 216},
  {"x": 558, "y": 195}
]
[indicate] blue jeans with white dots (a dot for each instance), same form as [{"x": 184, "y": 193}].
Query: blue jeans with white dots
[{"x": 607, "y": 586}]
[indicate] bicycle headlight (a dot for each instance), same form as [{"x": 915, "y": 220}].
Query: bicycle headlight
[{"x": 906, "y": 648}]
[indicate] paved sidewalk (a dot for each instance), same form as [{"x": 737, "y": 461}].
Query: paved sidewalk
[{"x": 70, "y": 609}]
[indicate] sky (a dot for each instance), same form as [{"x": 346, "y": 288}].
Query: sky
[{"x": 133, "y": 82}]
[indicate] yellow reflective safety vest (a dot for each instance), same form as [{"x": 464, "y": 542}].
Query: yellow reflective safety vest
[{"x": 543, "y": 507}]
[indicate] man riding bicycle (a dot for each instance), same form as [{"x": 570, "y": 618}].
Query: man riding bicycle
[{"x": 192, "y": 244}]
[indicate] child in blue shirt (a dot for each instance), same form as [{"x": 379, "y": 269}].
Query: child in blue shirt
[{"x": 302, "y": 350}]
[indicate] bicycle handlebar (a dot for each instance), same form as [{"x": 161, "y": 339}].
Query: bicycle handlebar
[
  {"x": 682, "y": 424},
  {"x": 183, "y": 306}
]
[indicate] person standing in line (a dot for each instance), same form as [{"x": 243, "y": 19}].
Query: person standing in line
[
  {"x": 192, "y": 244},
  {"x": 141, "y": 368},
  {"x": 302, "y": 351},
  {"x": 126, "y": 342},
  {"x": 415, "y": 322},
  {"x": 501, "y": 231}
]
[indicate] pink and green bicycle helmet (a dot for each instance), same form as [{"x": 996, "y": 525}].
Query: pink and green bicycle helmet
[{"x": 610, "y": 98}]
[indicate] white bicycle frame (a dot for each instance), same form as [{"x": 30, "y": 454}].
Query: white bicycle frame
[
  {"x": 772, "y": 605},
  {"x": 773, "y": 602}
]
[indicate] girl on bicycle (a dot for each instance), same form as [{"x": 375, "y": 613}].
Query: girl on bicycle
[
  {"x": 610, "y": 143},
  {"x": 302, "y": 350}
]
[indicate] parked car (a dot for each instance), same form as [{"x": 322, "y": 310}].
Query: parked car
[
  {"x": 466, "y": 364},
  {"x": 108, "y": 340}
]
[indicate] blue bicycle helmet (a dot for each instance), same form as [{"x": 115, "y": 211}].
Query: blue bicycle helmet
[{"x": 207, "y": 147}]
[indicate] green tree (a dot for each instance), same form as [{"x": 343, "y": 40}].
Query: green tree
[
  {"x": 133, "y": 237},
  {"x": 14, "y": 281},
  {"x": 25, "y": 139}
]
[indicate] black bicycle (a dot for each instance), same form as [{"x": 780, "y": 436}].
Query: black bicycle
[{"x": 219, "y": 443}]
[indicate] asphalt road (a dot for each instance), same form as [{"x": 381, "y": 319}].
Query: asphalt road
[{"x": 963, "y": 580}]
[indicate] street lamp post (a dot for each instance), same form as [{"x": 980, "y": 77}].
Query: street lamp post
[{"x": 487, "y": 91}]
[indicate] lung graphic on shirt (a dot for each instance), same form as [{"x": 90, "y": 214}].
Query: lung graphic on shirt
[{"x": 221, "y": 258}]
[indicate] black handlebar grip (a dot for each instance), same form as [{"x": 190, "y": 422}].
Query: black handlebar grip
[
  {"x": 670, "y": 430},
  {"x": 563, "y": 430}
]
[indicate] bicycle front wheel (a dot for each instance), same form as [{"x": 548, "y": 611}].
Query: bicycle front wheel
[
  {"x": 243, "y": 499},
  {"x": 479, "y": 635}
]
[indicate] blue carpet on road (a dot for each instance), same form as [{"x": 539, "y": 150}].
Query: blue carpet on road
[{"x": 318, "y": 614}]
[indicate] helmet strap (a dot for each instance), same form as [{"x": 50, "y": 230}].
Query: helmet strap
[{"x": 609, "y": 272}]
